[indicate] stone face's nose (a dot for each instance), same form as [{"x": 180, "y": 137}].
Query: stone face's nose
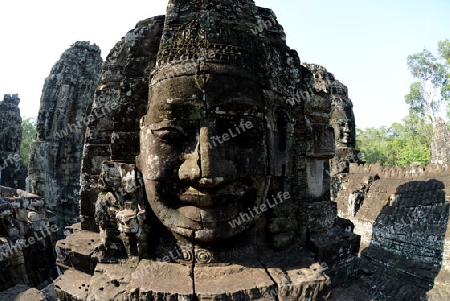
[
  {"x": 205, "y": 166},
  {"x": 346, "y": 128}
]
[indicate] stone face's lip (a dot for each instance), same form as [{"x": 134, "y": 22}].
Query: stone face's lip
[
  {"x": 207, "y": 199},
  {"x": 211, "y": 216},
  {"x": 210, "y": 209},
  {"x": 204, "y": 218},
  {"x": 345, "y": 136}
]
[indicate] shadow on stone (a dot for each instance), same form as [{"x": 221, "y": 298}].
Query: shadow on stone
[{"x": 405, "y": 254}]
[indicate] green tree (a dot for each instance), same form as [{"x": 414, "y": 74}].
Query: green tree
[
  {"x": 371, "y": 143},
  {"x": 444, "y": 52},
  {"x": 409, "y": 142},
  {"x": 28, "y": 136},
  {"x": 413, "y": 152},
  {"x": 402, "y": 144},
  {"x": 432, "y": 89}
]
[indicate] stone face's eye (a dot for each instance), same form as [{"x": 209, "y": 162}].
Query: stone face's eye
[{"x": 169, "y": 134}]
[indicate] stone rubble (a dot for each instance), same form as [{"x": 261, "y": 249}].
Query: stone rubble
[{"x": 27, "y": 237}]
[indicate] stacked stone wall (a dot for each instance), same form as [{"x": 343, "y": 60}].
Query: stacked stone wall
[{"x": 402, "y": 215}]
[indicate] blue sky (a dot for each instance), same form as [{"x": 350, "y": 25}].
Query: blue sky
[{"x": 364, "y": 43}]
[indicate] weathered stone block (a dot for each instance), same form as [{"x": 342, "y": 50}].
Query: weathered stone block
[
  {"x": 320, "y": 216},
  {"x": 249, "y": 282},
  {"x": 125, "y": 144},
  {"x": 155, "y": 280},
  {"x": 77, "y": 250},
  {"x": 93, "y": 156},
  {"x": 72, "y": 285}
]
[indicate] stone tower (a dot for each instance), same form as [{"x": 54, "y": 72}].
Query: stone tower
[
  {"x": 66, "y": 102},
  {"x": 342, "y": 118},
  {"x": 205, "y": 181},
  {"x": 13, "y": 171},
  {"x": 440, "y": 145},
  {"x": 343, "y": 123}
]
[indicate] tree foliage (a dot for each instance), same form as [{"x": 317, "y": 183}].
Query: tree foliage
[
  {"x": 409, "y": 142},
  {"x": 28, "y": 136},
  {"x": 444, "y": 52},
  {"x": 427, "y": 95},
  {"x": 402, "y": 144}
]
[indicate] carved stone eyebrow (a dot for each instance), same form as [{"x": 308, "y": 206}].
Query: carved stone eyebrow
[
  {"x": 239, "y": 109},
  {"x": 240, "y": 114},
  {"x": 166, "y": 124}
]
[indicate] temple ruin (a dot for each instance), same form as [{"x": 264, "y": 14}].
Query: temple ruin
[{"x": 206, "y": 161}]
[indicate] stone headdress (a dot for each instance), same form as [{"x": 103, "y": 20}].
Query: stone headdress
[{"x": 203, "y": 37}]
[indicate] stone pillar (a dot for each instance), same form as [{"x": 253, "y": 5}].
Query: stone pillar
[{"x": 440, "y": 145}]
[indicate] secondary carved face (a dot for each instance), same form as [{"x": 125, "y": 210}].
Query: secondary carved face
[
  {"x": 204, "y": 154},
  {"x": 344, "y": 132},
  {"x": 343, "y": 122},
  {"x": 343, "y": 119},
  {"x": 127, "y": 221}
]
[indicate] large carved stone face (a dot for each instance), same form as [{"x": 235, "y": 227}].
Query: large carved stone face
[{"x": 204, "y": 154}]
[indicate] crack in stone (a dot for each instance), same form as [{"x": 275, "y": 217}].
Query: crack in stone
[
  {"x": 271, "y": 278},
  {"x": 194, "y": 293}
]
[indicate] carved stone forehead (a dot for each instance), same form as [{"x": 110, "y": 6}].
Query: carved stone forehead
[
  {"x": 195, "y": 97},
  {"x": 345, "y": 110}
]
